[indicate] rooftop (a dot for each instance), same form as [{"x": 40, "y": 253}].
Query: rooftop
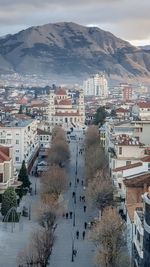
[
  {"x": 130, "y": 166},
  {"x": 125, "y": 140},
  {"x": 18, "y": 123}
]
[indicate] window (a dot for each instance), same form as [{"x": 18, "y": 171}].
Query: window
[
  {"x": 128, "y": 162},
  {"x": 17, "y": 142},
  {"x": 135, "y": 229},
  {"x": 2, "y": 141},
  {"x": 138, "y": 236},
  {"x": 17, "y": 159},
  {"x": 17, "y": 150},
  {"x": 1, "y": 177},
  {"x": 120, "y": 185},
  {"x": 120, "y": 150}
]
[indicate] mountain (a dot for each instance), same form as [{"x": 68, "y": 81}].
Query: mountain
[
  {"x": 145, "y": 47},
  {"x": 67, "y": 49}
]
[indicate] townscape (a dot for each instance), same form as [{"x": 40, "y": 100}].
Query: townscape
[
  {"x": 74, "y": 133},
  {"x": 72, "y": 159}
]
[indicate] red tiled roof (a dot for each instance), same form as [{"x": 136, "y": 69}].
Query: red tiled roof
[
  {"x": 42, "y": 105},
  {"x": 5, "y": 150},
  {"x": 61, "y": 92},
  {"x": 1, "y": 124},
  {"x": 68, "y": 114},
  {"x": 121, "y": 110},
  {"x": 130, "y": 166},
  {"x": 146, "y": 158},
  {"x": 4, "y": 154},
  {"x": 144, "y": 104},
  {"x": 65, "y": 102},
  {"x": 138, "y": 180}
]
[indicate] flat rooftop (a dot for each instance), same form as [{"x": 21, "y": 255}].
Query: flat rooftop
[{"x": 18, "y": 123}]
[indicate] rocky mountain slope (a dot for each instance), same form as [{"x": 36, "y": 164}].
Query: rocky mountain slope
[{"x": 69, "y": 49}]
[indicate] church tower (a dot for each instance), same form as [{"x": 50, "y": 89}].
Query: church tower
[{"x": 81, "y": 107}]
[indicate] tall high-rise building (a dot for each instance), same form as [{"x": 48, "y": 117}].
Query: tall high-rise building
[
  {"x": 126, "y": 91},
  {"x": 96, "y": 85}
]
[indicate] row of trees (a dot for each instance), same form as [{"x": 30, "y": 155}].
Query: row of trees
[
  {"x": 108, "y": 232},
  {"x": 53, "y": 184}
]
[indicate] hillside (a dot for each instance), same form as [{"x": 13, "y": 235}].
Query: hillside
[{"x": 69, "y": 49}]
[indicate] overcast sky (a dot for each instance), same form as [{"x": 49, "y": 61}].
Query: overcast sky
[{"x": 127, "y": 19}]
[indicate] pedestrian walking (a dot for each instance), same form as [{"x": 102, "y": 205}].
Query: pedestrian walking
[
  {"x": 73, "y": 194},
  {"x": 70, "y": 184},
  {"x": 83, "y": 198},
  {"x": 77, "y": 234},
  {"x": 84, "y": 208},
  {"x": 77, "y": 180},
  {"x": 67, "y": 215},
  {"x": 83, "y": 235},
  {"x": 70, "y": 213},
  {"x": 82, "y": 182},
  {"x": 80, "y": 198},
  {"x": 75, "y": 252},
  {"x": 85, "y": 225}
]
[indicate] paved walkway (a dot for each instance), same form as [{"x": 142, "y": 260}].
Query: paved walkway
[
  {"x": 66, "y": 231},
  {"x": 11, "y": 242}
]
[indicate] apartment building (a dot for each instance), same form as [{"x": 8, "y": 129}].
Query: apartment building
[
  {"x": 8, "y": 176},
  {"x": 21, "y": 134},
  {"x": 96, "y": 85},
  {"x": 141, "y": 110}
]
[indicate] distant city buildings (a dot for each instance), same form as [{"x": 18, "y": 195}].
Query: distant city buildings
[
  {"x": 127, "y": 92},
  {"x": 96, "y": 85}
]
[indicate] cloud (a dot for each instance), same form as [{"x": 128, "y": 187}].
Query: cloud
[{"x": 128, "y": 19}]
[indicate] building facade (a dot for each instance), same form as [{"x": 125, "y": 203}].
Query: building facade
[
  {"x": 63, "y": 112},
  {"x": 96, "y": 85},
  {"x": 22, "y": 136},
  {"x": 8, "y": 176}
]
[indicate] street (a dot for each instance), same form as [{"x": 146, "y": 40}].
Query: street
[{"x": 66, "y": 240}]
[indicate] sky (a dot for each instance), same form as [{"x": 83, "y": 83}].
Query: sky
[{"x": 127, "y": 19}]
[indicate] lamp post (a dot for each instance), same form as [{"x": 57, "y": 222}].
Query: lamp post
[
  {"x": 72, "y": 253},
  {"x": 74, "y": 218},
  {"x": 29, "y": 211}
]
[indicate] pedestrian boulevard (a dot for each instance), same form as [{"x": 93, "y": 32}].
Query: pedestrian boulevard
[{"x": 66, "y": 240}]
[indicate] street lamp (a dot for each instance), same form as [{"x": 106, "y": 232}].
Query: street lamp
[
  {"x": 72, "y": 253},
  {"x": 29, "y": 211},
  {"x": 74, "y": 218}
]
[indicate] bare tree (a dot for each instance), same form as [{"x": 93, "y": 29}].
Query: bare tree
[
  {"x": 108, "y": 236},
  {"x": 59, "y": 152},
  {"x": 47, "y": 216},
  {"x": 92, "y": 136},
  {"x": 58, "y": 132},
  {"x": 100, "y": 190},
  {"x": 43, "y": 243},
  {"x": 39, "y": 250},
  {"x": 54, "y": 181},
  {"x": 27, "y": 256},
  {"x": 95, "y": 160}
]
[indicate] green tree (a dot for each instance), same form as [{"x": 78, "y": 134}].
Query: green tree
[
  {"x": 23, "y": 176},
  {"x": 113, "y": 113},
  {"x": 20, "y": 109},
  {"x": 9, "y": 200},
  {"x": 100, "y": 116}
]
